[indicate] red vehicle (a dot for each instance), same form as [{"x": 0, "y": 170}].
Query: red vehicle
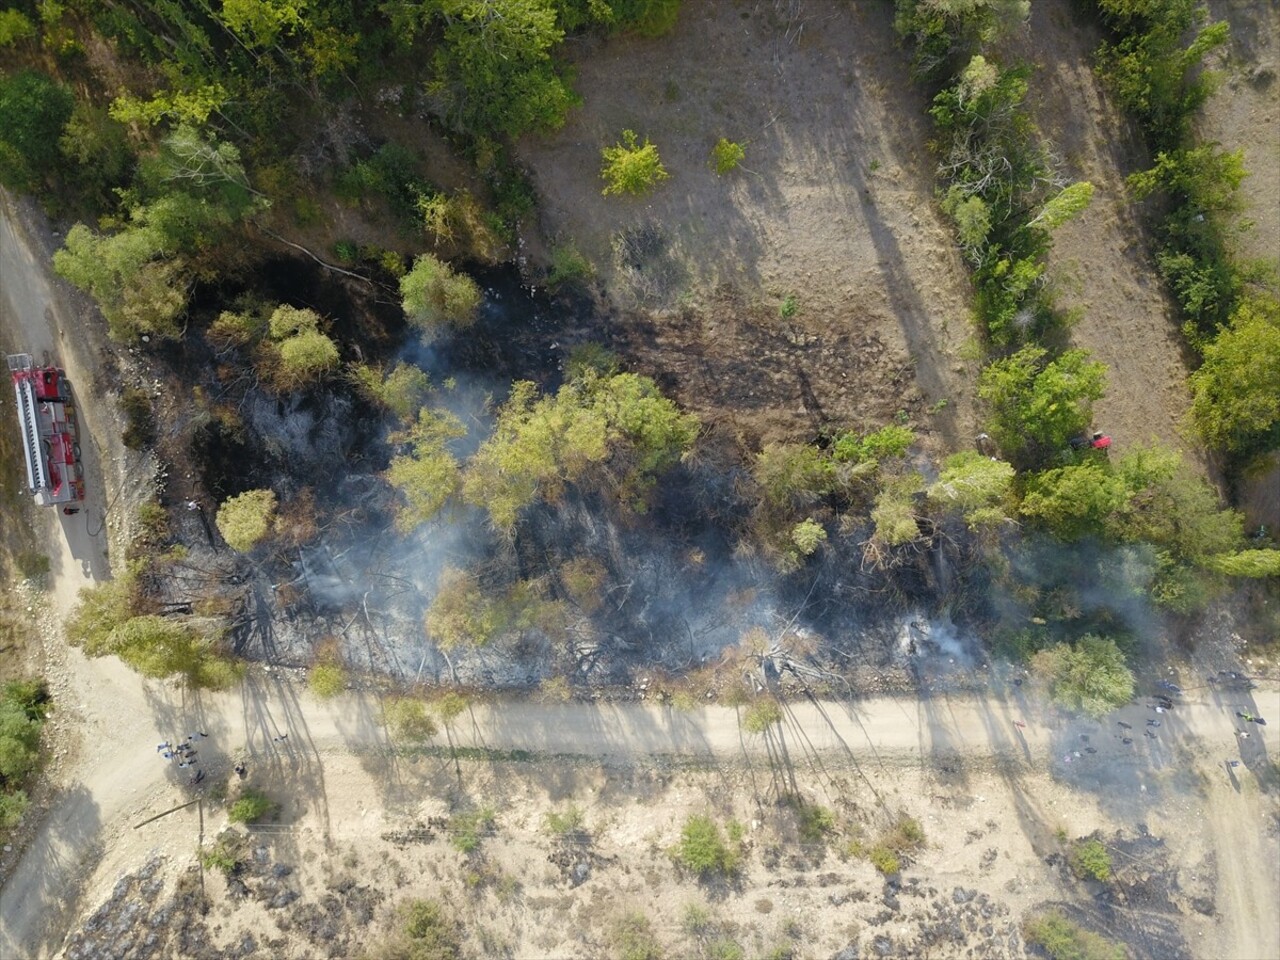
[{"x": 47, "y": 418}]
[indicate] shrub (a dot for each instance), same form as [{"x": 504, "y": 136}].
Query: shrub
[
  {"x": 33, "y": 111},
  {"x": 762, "y": 715},
  {"x": 245, "y": 520},
  {"x": 816, "y": 823},
  {"x": 726, "y": 155},
  {"x": 634, "y": 939},
  {"x": 434, "y": 296},
  {"x": 426, "y": 933},
  {"x": 702, "y": 848},
  {"x": 1089, "y": 858},
  {"x": 139, "y": 420},
  {"x": 631, "y": 167},
  {"x": 568, "y": 267},
  {"x": 407, "y": 719},
  {"x": 466, "y": 830},
  {"x": 884, "y": 859},
  {"x": 1090, "y": 675},
  {"x": 327, "y": 680},
  {"x": 12, "y": 807},
  {"x": 561, "y": 824},
  {"x": 1063, "y": 940},
  {"x": 252, "y": 806},
  {"x": 221, "y": 856}
]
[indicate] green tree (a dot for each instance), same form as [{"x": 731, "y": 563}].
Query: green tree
[
  {"x": 1076, "y": 501},
  {"x": 434, "y": 296},
  {"x": 134, "y": 276},
  {"x": 426, "y": 932},
  {"x": 620, "y": 426},
  {"x": 245, "y": 520},
  {"x": 33, "y": 111},
  {"x": 403, "y": 390},
  {"x": 1066, "y": 205},
  {"x": 807, "y": 536},
  {"x": 1247, "y": 563},
  {"x": 1090, "y": 675},
  {"x": 463, "y": 612},
  {"x": 15, "y": 27},
  {"x": 975, "y": 485},
  {"x": 19, "y": 742},
  {"x": 762, "y": 715},
  {"x": 1236, "y": 404},
  {"x": 426, "y": 474},
  {"x": 302, "y": 353},
  {"x": 631, "y": 167},
  {"x": 493, "y": 66},
  {"x": 1037, "y": 405}
]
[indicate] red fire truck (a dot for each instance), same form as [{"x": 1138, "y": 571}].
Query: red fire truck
[{"x": 47, "y": 418}]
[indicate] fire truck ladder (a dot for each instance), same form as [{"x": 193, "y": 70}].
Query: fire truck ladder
[{"x": 36, "y": 476}]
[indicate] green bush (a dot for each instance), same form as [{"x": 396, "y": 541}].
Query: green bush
[
  {"x": 327, "y": 680},
  {"x": 1063, "y": 940},
  {"x": 246, "y": 520},
  {"x": 466, "y": 830},
  {"x": 252, "y": 806},
  {"x": 703, "y": 850},
  {"x": 631, "y": 167},
  {"x": 816, "y": 823},
  {"x": 564, "y": 823},
  {"x": 12, "y": 807},
  {"x": 762, "y": 715},
  {"x": 221, "y": 856},
  {"x": 1090, "y": 675},
  {"x": 1089, "y": 858},
  {"x": 568, "y": 267},
  {"x": 726, "y": 156},
  {"x": 431, "y": 934},
  {"x": 407, "y": 720},
  {"x": 1236, "y": 404},
  {"x": 434, "y": 296},
  {"x": 884, "y": 859},
  {"x": 634, "y": 939}
]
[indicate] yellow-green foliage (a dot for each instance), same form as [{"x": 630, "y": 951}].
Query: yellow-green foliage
[
  {"x": 631, "y": 167},
  {"x": 1089, "y": 858},
  {"x": 894, "y": 512},
  {"x": 726, "y": 155},
  {"x": 541, "y": 443},
  {"x": 427, "y": 475},
  {"x": 1062, "y": 939},
  {"x": 1090, "y": 675},
  {"x": 464, "y": 613},
  {"x": 402, "y": 391},
  {"x": 245, "y": 520},
  {"x": 433, "y": 296},
  {"x": 762, "y": 715},
  {"x": 407, "y": 720},
  {"x": 327, "y": 680},
  {"x": 303, "y": 354}
]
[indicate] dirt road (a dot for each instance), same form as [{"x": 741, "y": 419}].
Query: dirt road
[{"x": 119, "y": 718}]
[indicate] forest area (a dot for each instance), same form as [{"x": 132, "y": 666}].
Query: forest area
[{"x": 472, "y": 357}]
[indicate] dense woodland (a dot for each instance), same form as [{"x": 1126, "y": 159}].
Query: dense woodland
[{"x": 183, "y": 144}]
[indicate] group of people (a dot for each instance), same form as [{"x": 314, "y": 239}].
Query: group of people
[{"x": 184, "y": 754}]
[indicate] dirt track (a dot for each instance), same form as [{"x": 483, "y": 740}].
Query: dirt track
[{"x": 119, "y": 717}]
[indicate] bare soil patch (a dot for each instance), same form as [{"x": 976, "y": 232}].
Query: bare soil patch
[{"x": 832, "y": 206}]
